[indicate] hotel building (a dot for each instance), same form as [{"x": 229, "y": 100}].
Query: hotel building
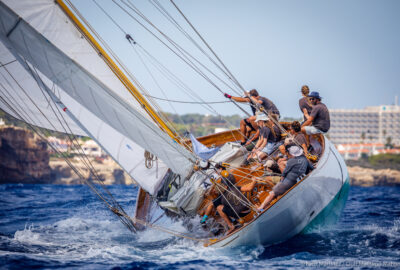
[{"x": 368, "y": 125}]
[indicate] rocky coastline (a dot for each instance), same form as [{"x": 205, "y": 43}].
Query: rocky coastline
[
  {"x": 367, "y": 177},
  {"x": 24, "y": 158}
]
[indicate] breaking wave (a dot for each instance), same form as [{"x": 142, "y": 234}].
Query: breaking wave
[{"x": 57, "y": 226}]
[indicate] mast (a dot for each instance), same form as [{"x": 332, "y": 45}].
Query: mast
[{"x": 118, "y": 72}]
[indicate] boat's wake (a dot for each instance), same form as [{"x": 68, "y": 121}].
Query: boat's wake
[
  {"x": 78, "y": 232},
  {"x": 75, "y": 239}
]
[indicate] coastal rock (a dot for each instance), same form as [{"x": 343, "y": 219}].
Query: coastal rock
[
  {"x": 23, "y": 157},
  {"x": 106, "y": 169},
  {"x": 366, "y": 177}
]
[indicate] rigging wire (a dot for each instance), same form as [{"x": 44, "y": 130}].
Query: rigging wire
[
  {"x": 163, "y": 70},
  {"x": 185, "y": 101},
  {"x": 230, "y": 76},
  {"x": 115, "y": 57},
  {"x": 111, "y": 203},
  {"x": 181, "y": 50},
  {"x": 183, "y": 56},
  {"x": 132, "y": 42},
  {"x": 170, "y": 18}
]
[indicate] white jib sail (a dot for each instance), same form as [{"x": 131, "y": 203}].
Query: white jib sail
[{"x": 83, "y": 87}]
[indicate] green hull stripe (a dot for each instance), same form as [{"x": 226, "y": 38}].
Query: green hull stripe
[{"x": 331, "y": 213}]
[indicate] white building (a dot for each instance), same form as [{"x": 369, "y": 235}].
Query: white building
[
  {"x": 91, "y": 148},
  {"x": 371, "y": 124}
]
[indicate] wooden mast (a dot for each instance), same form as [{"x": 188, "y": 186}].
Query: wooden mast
[{"x": 118, "y": 72}]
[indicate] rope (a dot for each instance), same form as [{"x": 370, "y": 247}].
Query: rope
[
  {"x": 168, "y": 74},
  {"x": 184, "y": 55},
  {"x": 149, "y": 159},
  {"x": 230, "y": 76},
  {"x": 170, "y": 18},
  {"x": 188, "y": 102},
  {"x": 40, "y": 83}
]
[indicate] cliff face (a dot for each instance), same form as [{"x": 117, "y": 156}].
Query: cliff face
[
  {"x": 107, "y": 170},
  {"x": 23, "y": 157},
  {"x": 369, "y": 177}
]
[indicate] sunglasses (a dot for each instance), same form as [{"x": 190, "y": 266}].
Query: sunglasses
[{"x": 311, "y": 98}]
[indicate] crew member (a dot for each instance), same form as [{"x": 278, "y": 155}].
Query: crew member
[
  {"x": 257, "y": 103},
  {"x": 296, "y": 137},
  {"x": 304, "y": 104},
  {"x": 319, "y": 121},
  {"x": 297, "y": 166},
  {"x": 270, "y": 136},
  {"x": 230, "y": 203}
]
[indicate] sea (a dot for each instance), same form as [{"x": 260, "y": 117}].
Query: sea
[{"x": 52, "y": 226}]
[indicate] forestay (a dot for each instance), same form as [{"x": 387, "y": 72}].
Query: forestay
[{"x": 114, "y": 119}]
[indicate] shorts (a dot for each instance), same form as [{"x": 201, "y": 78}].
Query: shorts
[
  {"x": 251, "y": 145},
  {"x": 283, "y": 186},
  {"x": 310, "y": 130},
  {"x": 217, "y": 201},
  {"x": 271, "y": 147},
  {"x": 239, "y": 210}
]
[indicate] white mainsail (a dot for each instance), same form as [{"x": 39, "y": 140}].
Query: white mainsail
[{"x": 91, "y": 92}]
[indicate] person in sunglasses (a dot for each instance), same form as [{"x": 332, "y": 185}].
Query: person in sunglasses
[{"x": 319, "y": 120}]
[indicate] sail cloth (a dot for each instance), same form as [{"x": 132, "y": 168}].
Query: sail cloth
[
  {"x": 82, "y": 86},
  {"x": 201, "y": 150},
  {"x": 125, "y": 152},
  {"x": 14, "y": 79}
]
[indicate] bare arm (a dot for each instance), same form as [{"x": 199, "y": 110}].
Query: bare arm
[
  {"x": 306, "y": 115},
  {"x": 254, "y": 137},
  {"x": 308, "y": 121},
  {"x": 259, "y": 143},
  {"x": 304, "y": 146},
  {"x": 255, "y": 100},
  {"x": 240, "y": 99}
]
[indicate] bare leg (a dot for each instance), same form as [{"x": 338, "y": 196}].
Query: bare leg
[
  {"x": 243, "y": 130},
  {"x": 252, "y": 121},
  {"x": 225, "y": 218},
  {"x": 303, "y": 130},
  {"x": 267, "y": 200},
  {"x": 282, "y": 164},
  {"x": 261, "y": 155},
  {"x": 282, "y": 149},
  {"x": 209, "y": 209}
]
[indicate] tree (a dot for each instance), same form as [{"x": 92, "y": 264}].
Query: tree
[
  {"x": 388, "y": 143},
  {"x": 362, "y": 136}
]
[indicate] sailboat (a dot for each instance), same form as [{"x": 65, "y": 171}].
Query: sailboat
[{"x": 58, "y": 73}]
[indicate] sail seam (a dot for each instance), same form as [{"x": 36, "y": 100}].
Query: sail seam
[{"x": 13, "y": 28}]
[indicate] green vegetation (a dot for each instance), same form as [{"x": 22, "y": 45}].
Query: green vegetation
[
  {"x": 197, "y": 124},
  {"x": 201, "y": 125},
  {"x": 381, "y": 161}
]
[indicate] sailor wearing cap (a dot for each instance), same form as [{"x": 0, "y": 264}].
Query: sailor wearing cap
[
  {"x": 270, "y": 138},
  {"x": 319, "y": 121},
  {"x": 297, "y": 166}
]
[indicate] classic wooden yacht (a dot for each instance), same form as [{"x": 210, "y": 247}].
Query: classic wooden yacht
[{"x": 58, "y": 73}]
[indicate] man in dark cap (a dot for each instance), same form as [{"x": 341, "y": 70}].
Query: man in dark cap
[{"x": 319, "y": 120}]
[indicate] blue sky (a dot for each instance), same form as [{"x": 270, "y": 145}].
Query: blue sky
[{"x": 346, "y": 50}]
